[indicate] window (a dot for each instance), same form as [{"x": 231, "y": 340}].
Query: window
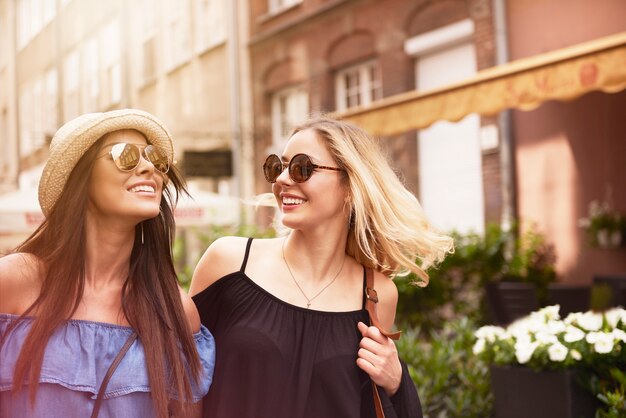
[
  {"x": 71, "y": 86},
  {"x": 148, "y": 42},
  {"x": 5, "y": 146},
  {"x": 110, "y": 41},
  {"x": 289, "y": 107},
  {"x": 210, "y": 24},
  {"x": 4, "y": 41},
  {"x": 26, "y": 119},
  {"x": 32, "y": 16},
  {"x": 148, "y": 54},
  {"x": 23, "y": 23},
  {"x": 38, "y": 136},
  {"x": 49, "y": 11},
  {"x": 91, "y": 86},
  {"x": 358, "y": 86},
  {"x": 177, "y": 31},
  {"x": 277, "y": 6},
  {"x": 50, "y": 110}
]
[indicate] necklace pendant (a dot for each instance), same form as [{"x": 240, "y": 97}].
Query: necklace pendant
[{"x": 308, "y": 305}]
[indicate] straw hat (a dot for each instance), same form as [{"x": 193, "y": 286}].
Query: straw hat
[{"x": 74, "y": 138}]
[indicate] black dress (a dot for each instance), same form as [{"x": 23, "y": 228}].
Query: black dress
[{"x": 278, "y": 360}]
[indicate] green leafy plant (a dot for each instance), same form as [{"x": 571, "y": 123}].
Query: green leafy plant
[
  {"x": 604, "y": 225},
  {"x": 206, "y": 236},
  {"x": 456, "y": 287},
  {"x": 451, "y": 381},
  {"x": 612, "y": 393},
  {"x": 533, "y": 261}
]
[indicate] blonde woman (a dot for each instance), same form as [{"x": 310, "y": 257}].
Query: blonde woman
[{"x": 288, "y": 314}]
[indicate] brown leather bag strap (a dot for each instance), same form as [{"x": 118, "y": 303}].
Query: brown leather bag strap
[
  {"x": 116, "y": 361},
  {"x": 378, "y": 405},
  {"x": 371, "y": 299}
]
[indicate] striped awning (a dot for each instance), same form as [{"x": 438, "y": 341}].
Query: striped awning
[{"x": 563, "y": 74}]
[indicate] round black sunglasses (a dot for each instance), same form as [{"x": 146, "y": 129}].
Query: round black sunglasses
[{"x": 301, "y": 168}]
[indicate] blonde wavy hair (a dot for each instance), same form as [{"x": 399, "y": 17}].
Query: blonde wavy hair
[{"x": 388, "y": 230}]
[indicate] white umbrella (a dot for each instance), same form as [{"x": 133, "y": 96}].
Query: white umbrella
[
  {"x": 19, "y": 211},
  {"x": 206, "y": 208}
]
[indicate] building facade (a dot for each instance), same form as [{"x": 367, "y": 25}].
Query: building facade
[
  {"x": 570, "y": 153},
  {"x": 541, "y": 167},
  {"x": 180, "y": 60},
  {"x": 315, "y": 56}
]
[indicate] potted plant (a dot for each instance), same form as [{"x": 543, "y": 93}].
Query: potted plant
[
  {"x": 604, "y": 225},
  {"x": 545, "y": 366}
]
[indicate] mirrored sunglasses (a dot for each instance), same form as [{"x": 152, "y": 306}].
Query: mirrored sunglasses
[
  {"x": 300, "y": 167},
  {"x": 127, "y": 157}
]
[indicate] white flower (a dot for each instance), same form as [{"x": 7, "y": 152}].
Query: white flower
[
  {"x": 604, "y": 342},
  {"x": 528, "y": 324},
  {"x": 596, "y": 209},
  {"x": 557, "y": 352},
  {"x": 618, "y": 334},
  {"x": 546, "y": 338},
  {"x": 479, "y": 346},
  {"x": 551, "y": 312},
  {"x": 490, "y": 333},
  {"x": 590, "y": 321},
  {"x": 613, "y": 316},
  {"x": 555, "y": 326},
  {"x": 575, "y": 354},
  {"x": 524, "y": 351},
  {"x": 572, "y": 318},
  {"x": 573, "y": 334},
  {"x": 592, "y": 337}
]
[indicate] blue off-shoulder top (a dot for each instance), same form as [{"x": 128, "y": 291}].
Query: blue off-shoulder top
[{"x": 77, "y": 357}]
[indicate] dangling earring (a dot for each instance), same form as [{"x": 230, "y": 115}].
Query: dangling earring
[{"x": 142, "y": 233}]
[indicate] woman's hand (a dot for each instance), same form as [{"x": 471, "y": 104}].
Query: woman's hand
[{"x": 378, "y": 358}]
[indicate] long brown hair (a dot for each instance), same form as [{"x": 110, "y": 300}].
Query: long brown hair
[{"x": 150, "y": 296}]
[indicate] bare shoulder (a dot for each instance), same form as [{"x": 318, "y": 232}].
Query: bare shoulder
[
  {"x": 20, "y": 281},
  {"x": 223, "y": 257},
  {"x": 387, "y": 299},
  {"x": 190, "y": 311}
]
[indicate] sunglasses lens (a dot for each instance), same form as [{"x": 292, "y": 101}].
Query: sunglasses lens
[
  {"x": 125, "y": 156},
  {"x": 157, "y": 158},
  {"x": 301, "y": 168},
  {"x": 272, "y": 168}
]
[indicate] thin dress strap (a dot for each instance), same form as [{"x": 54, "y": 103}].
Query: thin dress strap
[
  {"x": 245, "y": 257},
  {"x": 364, "y": 289}
]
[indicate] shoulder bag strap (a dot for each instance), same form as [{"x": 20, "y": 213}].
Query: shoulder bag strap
[
  {"x": 116, "y": 361},
  {"x": 371, "y": 299}
]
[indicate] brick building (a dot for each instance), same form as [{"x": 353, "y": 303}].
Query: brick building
[
  {"x": 403, "y": 68},
  {"x": 325, "y": 56}
]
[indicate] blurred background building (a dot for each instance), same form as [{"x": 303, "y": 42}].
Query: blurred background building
[
  {"x": 180, "y": 60},
  {"x": 491, "y": 110}
]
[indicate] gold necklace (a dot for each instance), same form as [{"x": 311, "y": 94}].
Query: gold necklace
[{"x": 309, "y": 300}]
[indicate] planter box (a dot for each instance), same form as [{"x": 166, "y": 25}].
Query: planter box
[
  {"x": 520, "y": 392},
  {"x": 508, "y": 301}
]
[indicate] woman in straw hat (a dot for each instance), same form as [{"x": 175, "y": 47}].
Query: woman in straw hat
[
  {"x": 92, "y": 319},
  {"x": 290, "y": 315}
]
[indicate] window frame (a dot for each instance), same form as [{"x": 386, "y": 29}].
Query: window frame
[
  {"x": 369, "y": 89},
  {"x": 283, "y": 121}
]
